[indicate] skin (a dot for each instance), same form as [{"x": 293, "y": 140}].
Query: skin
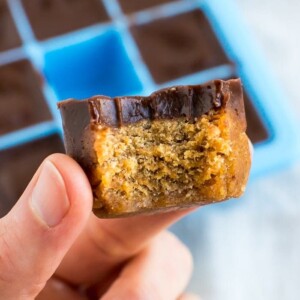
[{"x": 53, "y": 247}]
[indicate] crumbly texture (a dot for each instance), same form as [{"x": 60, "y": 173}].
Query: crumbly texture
[{"x": 165, "y": 163}]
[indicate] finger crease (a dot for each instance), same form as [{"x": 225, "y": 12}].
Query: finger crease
[{"x": 110, "y": 245}]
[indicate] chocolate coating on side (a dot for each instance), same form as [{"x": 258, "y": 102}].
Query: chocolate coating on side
[
  {"x": 77, "y": 117},
  {"x": 256, "y": 127}
]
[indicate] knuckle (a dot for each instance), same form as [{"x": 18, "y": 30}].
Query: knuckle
[
  {"x": 33, "y": 290},
  {"x": 181, "y": 256},
  {"x": 11, "y": 266},
  {"x": 186, "y": 256},
  {"x": 109, "y": 243},
  {"x": 8, "y": 268},
  {"x": 142, "y": 292}
]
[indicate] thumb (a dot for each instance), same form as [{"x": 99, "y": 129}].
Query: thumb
[{"x": 40, "y": 229}]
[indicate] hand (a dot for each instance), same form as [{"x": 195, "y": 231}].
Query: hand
[{"x": 53, "y": 247}]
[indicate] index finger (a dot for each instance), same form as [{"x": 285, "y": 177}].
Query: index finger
[{"x": 105, "y": 244}]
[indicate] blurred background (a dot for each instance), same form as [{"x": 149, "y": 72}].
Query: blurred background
[
  {"x": 250, "y": 250},
  {"x": 55, "y": 49}
]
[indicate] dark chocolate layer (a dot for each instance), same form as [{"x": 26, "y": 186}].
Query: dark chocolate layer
[
  {"x": 189, "y": 102},
  {"x": 77, "y": 118}
]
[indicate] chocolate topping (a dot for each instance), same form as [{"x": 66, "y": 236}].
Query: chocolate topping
[
  {"x": 189, "y": 102},
  {"x": 131, "y": 110}
]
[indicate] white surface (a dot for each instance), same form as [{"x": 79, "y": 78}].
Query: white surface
[{"x": 250, "y": 249}]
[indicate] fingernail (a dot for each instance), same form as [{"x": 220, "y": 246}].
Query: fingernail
[{"x": 49, "y": 197}]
